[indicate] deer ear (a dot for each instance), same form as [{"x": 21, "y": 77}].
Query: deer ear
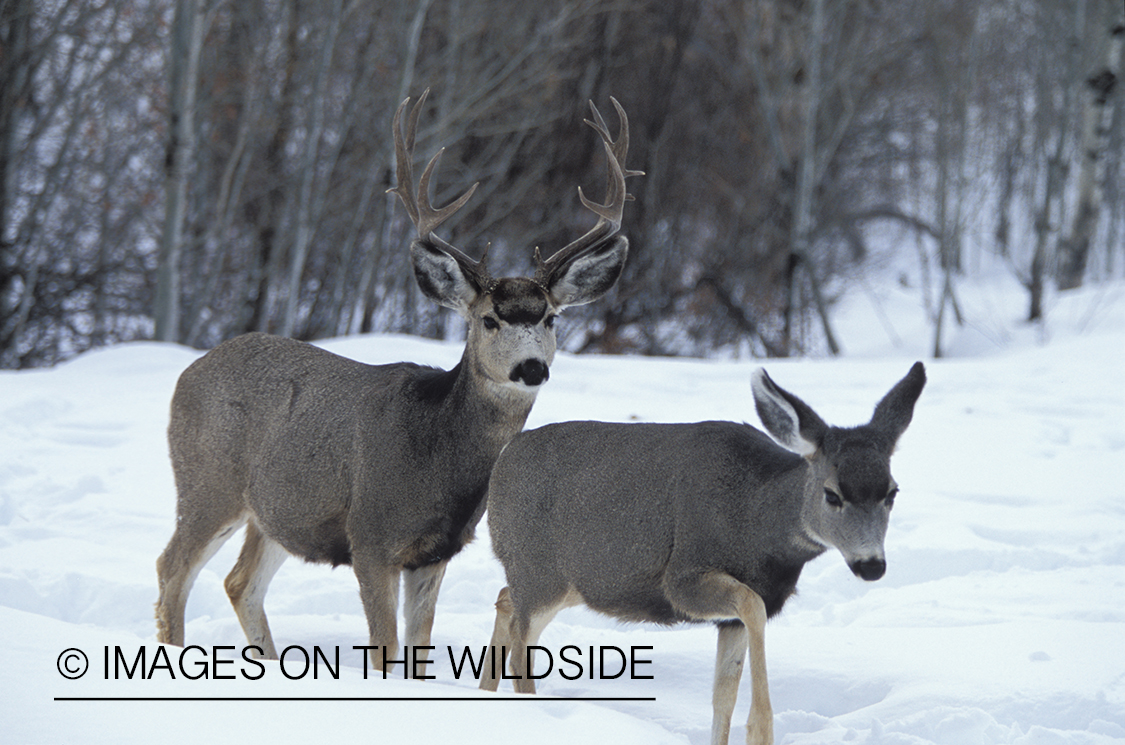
[
  {"x": 441, "y": 277},
  {"x": 589, "y": 275},
  {"x": 893, "y": 414},
  {"x": 787, "y": 418}
]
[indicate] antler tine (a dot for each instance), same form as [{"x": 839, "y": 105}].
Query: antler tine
[
  {"x": 609, "y": 214},
  {"x": 619, "y": 148},
  {"x": 430, "y": 218},
  {"x": 404, "y": 150},
  {"x": 423, "y": 214}
]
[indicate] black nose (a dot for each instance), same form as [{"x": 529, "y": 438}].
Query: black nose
[
  {"x": 870, "y": 569},
  {"x": 531, "y": 372}
]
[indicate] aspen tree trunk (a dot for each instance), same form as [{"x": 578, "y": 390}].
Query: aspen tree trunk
[
  {"x": 187, "y": 38},
  {"x": 1097, "y": 114},
  {"x": 362, "y": 316},
  {"x": 15, "y": 39},
  {"x": 800, "y": 237},
  {"x": 15, "y": 86},
  {"x": 952, "y": 148},
  {"x": 304, "y": 229},
  {"x": 1050, "y": 209}
]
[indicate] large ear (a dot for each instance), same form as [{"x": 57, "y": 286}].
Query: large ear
[
  {"x": 790, "y": 420},
  {"x": 441, "y": 277},
  {"x": 894, "y": 412},
  {"x": 589, "y": 275}
]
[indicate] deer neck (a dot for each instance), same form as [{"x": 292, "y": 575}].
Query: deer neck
[{"x": 501, "y": 409}]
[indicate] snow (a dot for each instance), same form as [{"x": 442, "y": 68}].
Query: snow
[{"x": 1001, "y": 618}]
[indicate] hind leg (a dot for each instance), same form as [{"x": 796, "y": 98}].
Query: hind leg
[
  {"x": 193, "y": 544},
  {"x": 524, "y": 630},
  {"x": 247, "y": 583},
  {"x": 500, "y": 642}
]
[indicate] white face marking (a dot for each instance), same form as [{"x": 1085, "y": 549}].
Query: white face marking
[
  {"x": 511, "y": 333},
  {"x": 855, "y": 528}
]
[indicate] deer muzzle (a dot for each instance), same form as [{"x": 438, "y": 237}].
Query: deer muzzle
[
  {"x": 530, "y": 372},
  {"x": 869, "y": 569}
]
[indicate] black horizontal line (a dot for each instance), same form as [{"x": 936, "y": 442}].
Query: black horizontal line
[{"x": 351, "y": 698}]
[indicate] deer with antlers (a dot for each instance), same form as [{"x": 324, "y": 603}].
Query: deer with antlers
[{"x": 383, "y": 467}]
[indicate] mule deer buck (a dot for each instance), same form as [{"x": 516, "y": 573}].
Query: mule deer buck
[
  {"x": 689, "y": 522},
  {"x": 381, "y": 467}
]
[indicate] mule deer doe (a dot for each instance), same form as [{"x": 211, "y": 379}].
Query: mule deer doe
[
  {"x": 689, "y": 522},
  {"x": 382, "y": 467}
]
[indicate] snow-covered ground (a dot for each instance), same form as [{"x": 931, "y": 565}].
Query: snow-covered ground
[{"x": 1001, "y": 618}]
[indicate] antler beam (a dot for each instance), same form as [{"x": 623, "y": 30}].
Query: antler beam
[
  {"x": 423, "y": 214},
  {"x": 609, "y": 214}
]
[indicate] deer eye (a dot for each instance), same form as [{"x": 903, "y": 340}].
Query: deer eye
[
  {"x": 549, "y": 321},
  {"x": 890, "y": 500},
  {"x": 491, "y": 323},
  {"x": 833, "y": 498}
]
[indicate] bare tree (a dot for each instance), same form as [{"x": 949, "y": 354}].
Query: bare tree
[
  {"x": 79, "y": 118},
  {"x": 1105, "y": 37},
  {"x": 309, "y": 166},
  {"x": 801, "y": 232},
  {"x": 187, "y": 39},
  {"x": 952, "y": 42},
  {"x": 15, "y": 95},
  {"x": 776, "y": 134}
]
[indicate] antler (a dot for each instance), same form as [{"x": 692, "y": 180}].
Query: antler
[
  {"x": 425, "y": 216},
  {"x": 609, "y": 214}
]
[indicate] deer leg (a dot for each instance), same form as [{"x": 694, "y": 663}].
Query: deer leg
[
  {"x": 728, "y": 671},
  {"x": 420, "y": 593},
  {"x": 193, "y": 544},
  {"x": 719, "y": 596},
  {"x": 525, "y": 632},
  {"x": 247, "y": 583},
  {"x": 378, "y": 590},
  {"x": 518, "y": 630},
  {"x": 759, "y": 726},
  {"x": 501, "y": 640}
]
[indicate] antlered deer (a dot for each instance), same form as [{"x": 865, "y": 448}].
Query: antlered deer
[
  {"x": 689, "y": 522},
  {"x": 382, "y": 467}
]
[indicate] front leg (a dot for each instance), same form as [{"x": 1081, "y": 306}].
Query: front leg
[
  {"x": 729, "y": 657},
  {"x": 759, "y": 727},
  {"x": 712, "y": 595},
  {"x": 420, "y": 593},
  {"x": 378, "y": 589}
]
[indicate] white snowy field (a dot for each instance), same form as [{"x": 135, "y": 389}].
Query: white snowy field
[{"x": 1001, "y": 618}]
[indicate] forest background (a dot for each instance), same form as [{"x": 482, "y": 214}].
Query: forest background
[{"x": 189, "y": 170}]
